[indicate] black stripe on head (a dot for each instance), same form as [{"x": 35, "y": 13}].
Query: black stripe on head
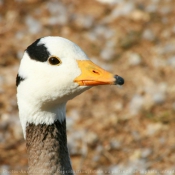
[
  {"x": 38, "y": 51},
  {"x": 18, "y": 79}
]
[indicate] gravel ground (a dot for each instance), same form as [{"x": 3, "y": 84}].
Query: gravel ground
[{"x": 125, "y": 130}]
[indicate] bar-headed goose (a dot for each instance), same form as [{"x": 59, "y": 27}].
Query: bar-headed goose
[{"x": 53, "y": 70}]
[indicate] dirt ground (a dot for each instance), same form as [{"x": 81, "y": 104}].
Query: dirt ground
[{"x": 111, "y": 130}]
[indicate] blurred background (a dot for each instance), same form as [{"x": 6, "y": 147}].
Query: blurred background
[{"x": 111, "y": 130}]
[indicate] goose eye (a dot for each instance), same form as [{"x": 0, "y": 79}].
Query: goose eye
[{"x": 54, "y": 60}]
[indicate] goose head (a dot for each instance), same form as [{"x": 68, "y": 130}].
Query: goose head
[{"x": 54, "y": 70}]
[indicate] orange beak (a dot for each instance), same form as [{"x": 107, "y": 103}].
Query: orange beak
[{"x": 93, "y": 75}]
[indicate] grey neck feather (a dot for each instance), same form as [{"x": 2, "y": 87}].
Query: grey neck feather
[{"x": 47, "y": 149}]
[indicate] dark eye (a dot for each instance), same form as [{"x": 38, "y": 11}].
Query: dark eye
[{"x": 54, "y": 60}]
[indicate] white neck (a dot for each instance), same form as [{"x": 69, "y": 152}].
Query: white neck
[{"x": 34, "y": 113}]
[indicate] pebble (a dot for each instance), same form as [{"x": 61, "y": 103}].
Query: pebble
[
  {"x": 115, "y": 144},
  {"x": 1, "y": 80},
  {"x": 59, "y": 14},
  {"x": 134, "y": 59},
  {"x": 173, "y": 29},
  {"x": 83, "y": 21},
  {"x": 136, "y": 135},
  {"x": 123, "y": 9},
  {"x": 56, "y": 7},
  {"x": 54, "y": 20},
  {"x": 107, "y": 54},
  {"x": 146, "y": 152},
  {"x": 16, "y": 128},
  {"x": 69, "y": 123},
  {"x": 148, "y": 35},
  {"x": 135, "y": 155},
  {"x": 19, "y": 35},
  {"x": 103, "y": 32},
  {"x": 118, "y": 106},
  {"x": 1, "y": 2},
  {"x": 165, "y": 10},
  {"x": 171, "y": 61},
  {"x": 20, "y": 54},
  {"x": 34, "y": 26},
  {"x": 159, "y": 93},
  {"x": 162, "y": 140},
  {"x": 151, "y": 8},
  {"x": 75, "y": 142},
  {"x": 110, "y": 2},
  {"x": 159, "y": 98},
  {"x": 91, "y": 138},
  {"x": 138, "y": 15},
  {"x": 153, "y": 128},
  {"x": 167, "y": 48},
  {"x": 136, "y": 104},
  {"x": 173, "y": 106},
  {"x": 158, "y": 62}
]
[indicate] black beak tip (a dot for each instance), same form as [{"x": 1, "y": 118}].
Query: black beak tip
[{"x": 119, "y": 80}]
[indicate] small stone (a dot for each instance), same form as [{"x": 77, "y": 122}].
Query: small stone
[
  {"x": 75, "y": 142},
  {"x": 171, "y": 61},
  {"x": 136, "y": 135},
  {"x": 173, "y": 106},
  {"x": 104, "y": 32},
  {"x": 159, "y": 98},
  {"x": 146, "y": 152},
  {"x": 107, "y": 54},
  {"x": 167, "y": 49},
  {"x": 20, "y": 54},
  {"x": 16, "y": 129},
  {"x": 173, "y": 29},
  {"x": 99, "y": 149},
  {"x": 34, "y": 25},
  {"x": 91, "y": 138},
  {"x": 115, "y": 144},
  {"x": 56, "y": 7},
  {"x": 151, "y": 8},
  {"x": 58, "y": 13},
  {"x": 69, "y": 123},
  {"x": 138, "y": 15},
  {"x": 165, "y": 10},
  {"x": 19, "y": 35},
  {"x": 136, "y": 104},
  {"x": 1, "y": 79},
  {"x": 110, "y": 2},
  {"x": 96, "y": 158},
  {"x": 135, "y": 155},
  {"x": 118, "y": 106},
  {"x": 83, "y": 21},
  {"x": 134, "y": 59},
  {"x": 148, "y": 35},
  {"x": 123, "y": 9},
  {"x": 1, "y": 2},
  {"x": 154, "y": 128}
]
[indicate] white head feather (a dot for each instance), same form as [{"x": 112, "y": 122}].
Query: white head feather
[{"x": 43, "y": 94}]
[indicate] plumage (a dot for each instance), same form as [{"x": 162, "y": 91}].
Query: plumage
[
  {"x": 38, "y": 51},
  {"x": 53, "y": 70}
]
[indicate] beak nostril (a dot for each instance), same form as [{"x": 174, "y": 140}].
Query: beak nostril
[{"x": 95, "y": 72}]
